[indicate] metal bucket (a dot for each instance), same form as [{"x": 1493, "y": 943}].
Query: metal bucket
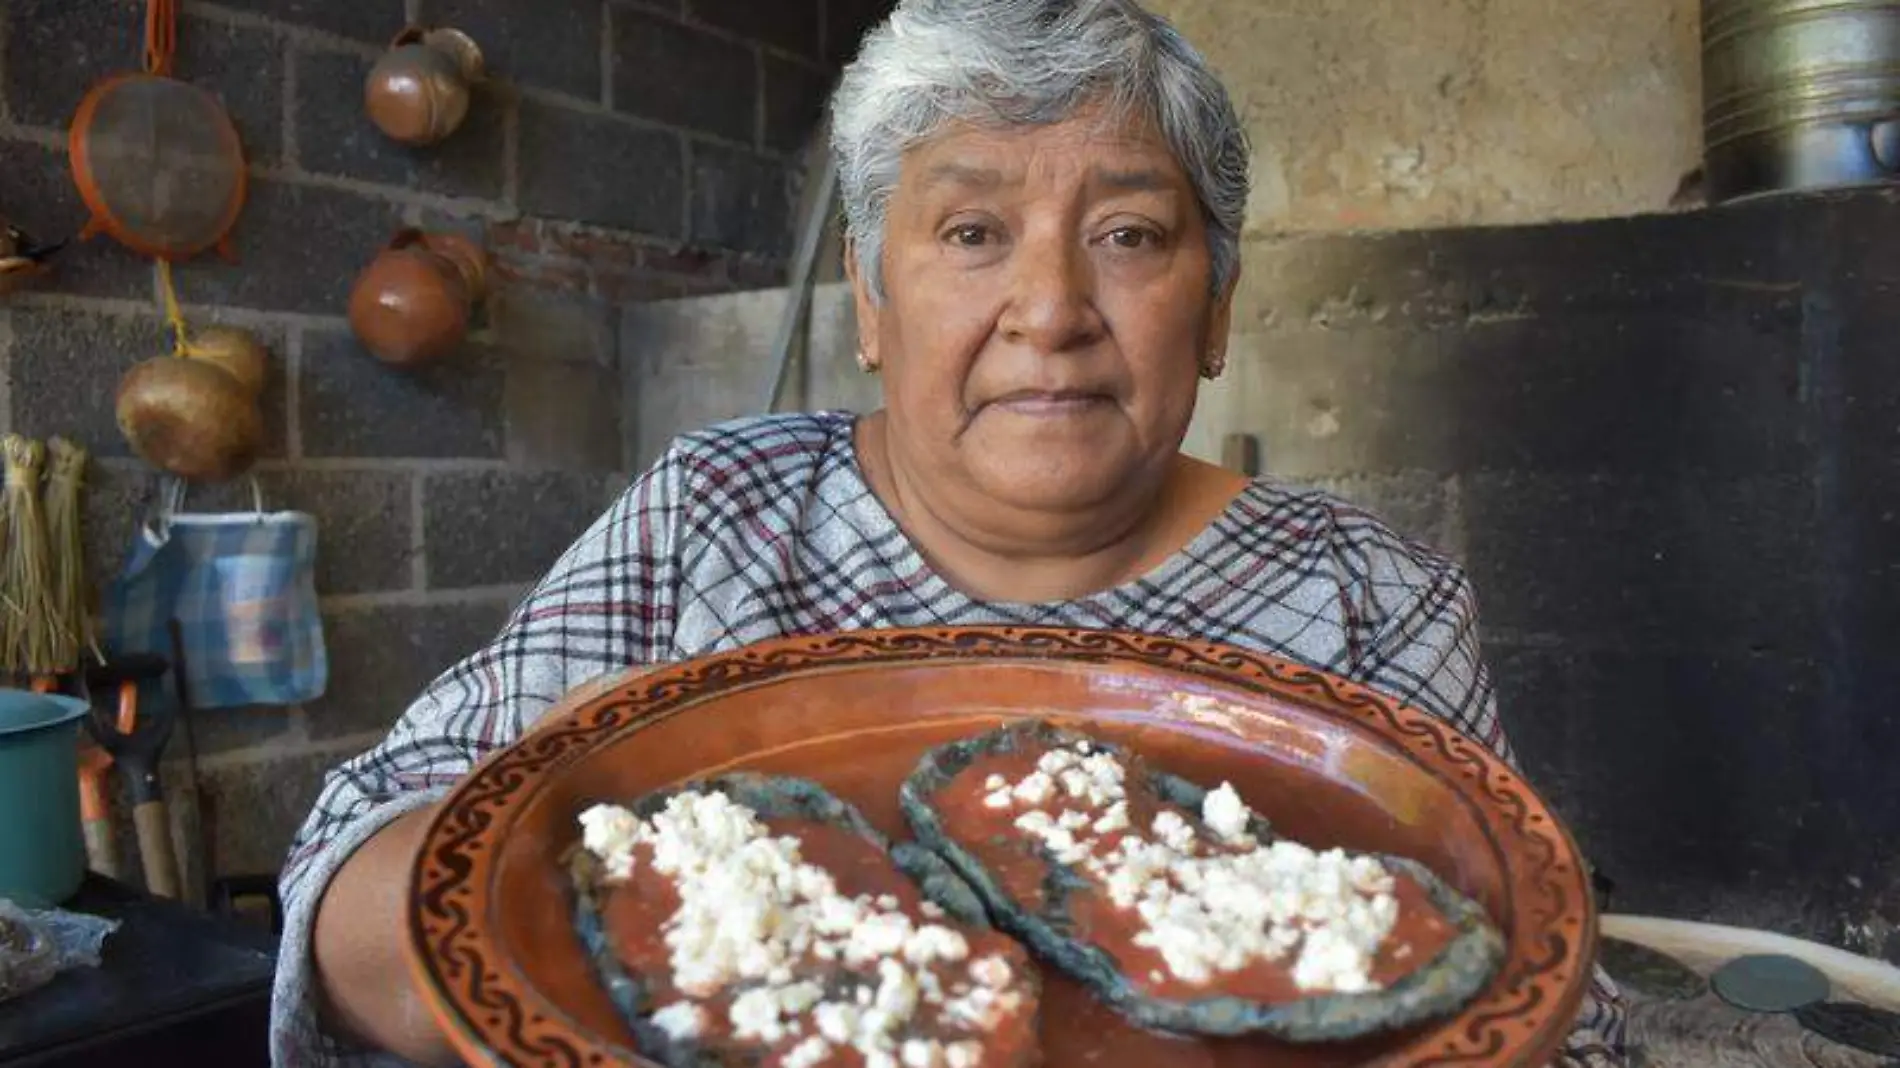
[{"x": 1799, "y": 94}]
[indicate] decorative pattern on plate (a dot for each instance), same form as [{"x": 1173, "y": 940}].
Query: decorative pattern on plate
[{"x": 496, "y": 1016}]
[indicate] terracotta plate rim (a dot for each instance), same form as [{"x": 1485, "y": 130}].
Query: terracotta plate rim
[{"x": 1551, "y": 889}]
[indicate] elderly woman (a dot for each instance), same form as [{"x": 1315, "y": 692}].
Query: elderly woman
[{"x": 1044, "y": 201}]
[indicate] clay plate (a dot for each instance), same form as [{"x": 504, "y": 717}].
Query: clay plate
[{"x": 1328, "y": 762}]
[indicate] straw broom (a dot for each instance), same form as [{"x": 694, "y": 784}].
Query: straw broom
[
  {"x": 26, "y": 577},
  {"x": 71, "y": 615}
]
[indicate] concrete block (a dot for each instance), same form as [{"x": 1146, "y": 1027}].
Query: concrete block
[
  {"x": 683, "y": 76},
  {"x": 845, "y": 24},
  {"x": 552, "y": 44},
  {"x": 352, "y": 404},
  {"x": 216, "y": 731},
  {"x": 563, "y": 415},
  {"x": 549, "y": 326},
  {"x": 634, "y": 180},
  {"x": 299, "y": 249},
  {"x": 789, "y": 24},
  {"x": 796, "y": 97},
  {"x": 494, "y": 527},
  {"x": 65, "y": 368},
  {"x": 373, "y": 21},
  {"x": 257, "y": 806},
  {"x": 365, "y": 541},
  {"x": 37, "y": 194},
  {"x": 118, "y": 495},
  {"x": 244, "y": 66},
  {"x": 1672, "y": 564},
  {"x": 55, "y": 52},
  {"x": 335, "y": 137},
  {"x": 381, "y": 659},
  {"x": 742, "y": 201},
  {"x": 693, "y": 362}
]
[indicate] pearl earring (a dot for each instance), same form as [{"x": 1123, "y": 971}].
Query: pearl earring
[
  {"x": 1215, "y": 363},
  {"x": 866, "y": 364}
]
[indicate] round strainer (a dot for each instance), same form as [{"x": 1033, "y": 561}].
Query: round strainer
[{"x": 157, "y": 160}]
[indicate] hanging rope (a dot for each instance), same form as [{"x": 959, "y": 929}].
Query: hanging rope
[{"x": 161, "y": 36}]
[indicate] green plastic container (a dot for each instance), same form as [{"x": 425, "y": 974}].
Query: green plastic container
[{"x": 42, "y": 851}]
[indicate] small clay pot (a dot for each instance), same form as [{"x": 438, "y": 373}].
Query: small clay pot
[
  {"x": 412, "y": 304},
  {"x": 418, "y": 92}
]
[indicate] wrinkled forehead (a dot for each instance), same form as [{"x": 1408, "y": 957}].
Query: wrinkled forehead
[{"x": 1115, "y": 153}]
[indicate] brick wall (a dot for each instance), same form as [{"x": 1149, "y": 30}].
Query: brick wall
[
  {"x": 623, "y": 152},
  {"x": 1668, "y": 450}
]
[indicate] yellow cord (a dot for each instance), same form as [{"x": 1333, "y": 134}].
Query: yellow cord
[{"x": 181, "y": 344}]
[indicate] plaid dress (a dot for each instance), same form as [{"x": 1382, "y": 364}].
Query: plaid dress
[{"x": 764, "y": 527}]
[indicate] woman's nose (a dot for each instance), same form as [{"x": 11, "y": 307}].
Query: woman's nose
[{"x": 1051, "y": 305}]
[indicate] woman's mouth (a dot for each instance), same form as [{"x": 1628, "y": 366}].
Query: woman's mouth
[{"x": 1050, "y": 403}]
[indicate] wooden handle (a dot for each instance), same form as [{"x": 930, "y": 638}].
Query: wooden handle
[
  {"x": 102, "y": 849},
  {"x": 155, "y": 849}
]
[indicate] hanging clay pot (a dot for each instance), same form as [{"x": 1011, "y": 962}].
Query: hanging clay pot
[
  {"x": 418, "y": 92},
  {"x": 412, "y": 304}
]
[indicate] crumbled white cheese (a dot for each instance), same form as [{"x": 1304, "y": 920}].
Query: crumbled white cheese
[
  {"x": 1208, "y": 911},
  {"x": 995, "y": 782},
  {"x": 750, "y": 910},
  {"x": 1225, "y": 815},
  {"x": 808, "y": 1054},
  {"x": 681, "y": 1020},
  {"x": 963, "y": 1055}
]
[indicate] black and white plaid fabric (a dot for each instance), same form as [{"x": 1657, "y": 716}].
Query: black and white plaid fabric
[{"x": 764, "y": 527}]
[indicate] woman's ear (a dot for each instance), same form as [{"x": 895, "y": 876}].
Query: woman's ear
[{"x": 867, "y": 309}]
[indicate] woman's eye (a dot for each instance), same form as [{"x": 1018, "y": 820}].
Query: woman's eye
[
  {"x": 1133, "y": 237},
  {"x": 969, "y": 235}
]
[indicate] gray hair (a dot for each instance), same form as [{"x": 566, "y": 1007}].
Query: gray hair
[{"x": 1030, "y": 62}]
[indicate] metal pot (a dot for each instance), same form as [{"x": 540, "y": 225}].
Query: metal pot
[
  {"x": 42, "y": 852},
  {"x": 1799, "y": 94}
]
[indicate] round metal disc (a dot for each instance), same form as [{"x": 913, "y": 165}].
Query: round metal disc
[
  {"x": 1861, "y": 1026},
  {"x": 1769, "y": 982}
]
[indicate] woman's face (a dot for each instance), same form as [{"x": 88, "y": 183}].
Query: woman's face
[{"x": 1047, "y": 308}]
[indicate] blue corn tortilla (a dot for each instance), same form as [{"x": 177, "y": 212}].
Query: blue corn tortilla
[
  {"x": 771, "y": 797},
  {"x": 1439, "y": 987}
]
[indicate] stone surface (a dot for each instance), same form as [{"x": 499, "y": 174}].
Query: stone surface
[
  {"x": 64, "y": 369},
  {"x": 353, "y": 405},
  {"x": 1366, "y": 115},
  {"x": 335, "y": 137},
  {"x": 55, "y": 52},
  {"x": 40, "y": 198},
  {"x": 741, "y": 201},
  {"x": 564, "y": 415},
  {"x": 672, "y": 73},
  {"x": 487, "y": 528},
  {"x": 256, "y": 808},
  {"x": 539, "y": 325},
  {"x": 690, "y": 363},
  {"x": 299, "y": 249},
  {"x": 796, "y": 96},
  {"x": 551, "y": 44},
  {"x": 635, "y": 180},
  {"x": 244, "y": 66},
  {"x": 382, "y": 658},
  {"x": 365, "y": 535},
  {"x": 371, "y": 21},
  {"x": 788, "y": 24}
]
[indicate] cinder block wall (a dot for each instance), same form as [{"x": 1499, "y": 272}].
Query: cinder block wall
[{"x": 623, "y": 152}]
